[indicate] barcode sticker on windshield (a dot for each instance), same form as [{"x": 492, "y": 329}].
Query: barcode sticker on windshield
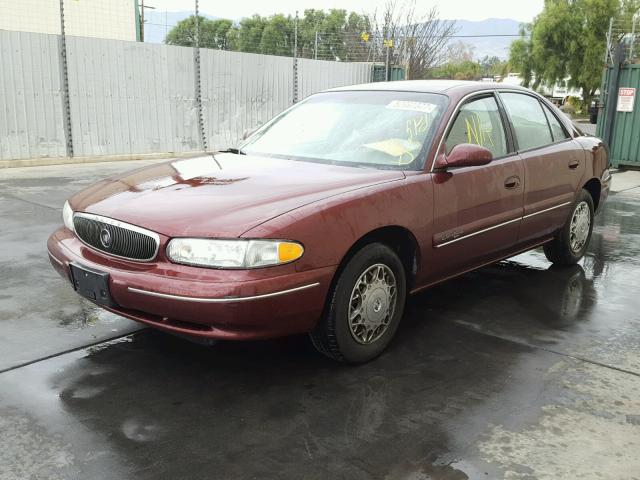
[{"x": 422, "y": 107}]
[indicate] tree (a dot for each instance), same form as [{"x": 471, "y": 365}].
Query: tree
[
  {"x": 356, "y": 29},
  {"x": 417, "y": 41},
  {"x": 629, "y": 9},
  {"x": 463, "y": 70},
  {"x": 332, "y": 41},
  {"x": 311, "y": 22},
  {"x": 277, "y": 36},
  {"x": 339, "y": 35},
  {"x": 567, "y": 41},
  {"x": 213, "y": 33},
  {"x": 249, "y": 34},
  {"x": 520, "y": 56},
  {"x": 458, "y": 52},
  {"x": 493, "y": 66}
]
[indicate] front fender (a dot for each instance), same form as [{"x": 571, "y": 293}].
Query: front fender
[{"x": 329, "y": 228}]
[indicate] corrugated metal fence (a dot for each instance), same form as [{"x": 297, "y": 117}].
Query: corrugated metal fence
[
  {"x": 131, "y": 98},
  {"x": 30, "y": 97},
  {"x": 624, "y": 137}
]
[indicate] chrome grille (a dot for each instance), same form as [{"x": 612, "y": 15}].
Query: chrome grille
[{"x": 116, "y": 238}]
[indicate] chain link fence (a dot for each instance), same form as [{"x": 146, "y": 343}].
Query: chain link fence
[{"x": 624, "y": 32}]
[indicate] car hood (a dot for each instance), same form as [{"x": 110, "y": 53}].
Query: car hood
[{"x": 219, "y": 195}]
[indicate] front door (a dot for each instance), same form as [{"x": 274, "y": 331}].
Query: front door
[
  {"x": 477, "y": 210},
  {"x": 553, "y": 165}
]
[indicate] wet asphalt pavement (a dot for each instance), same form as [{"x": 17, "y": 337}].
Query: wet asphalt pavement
[{"x": 515, "y": 371}]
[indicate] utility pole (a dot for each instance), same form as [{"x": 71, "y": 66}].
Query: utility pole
[
  {"x": 142, "y": 7},
  {"x": 315, "y": 51},
  {"x": 295, "y": 36},
  {"x": 612, "y": 93},
  {"x": 633, "y": 37},
  {"x": 389, "y": 44},
  {"x": 66, "y": 106},
  {"x": 198, "y": 88},
  {"x": 373, "y": 48},
  {"x": 386, "y": 70},
  {"x": 607, "y": 53},
  {"x": 295, "y": 59}
]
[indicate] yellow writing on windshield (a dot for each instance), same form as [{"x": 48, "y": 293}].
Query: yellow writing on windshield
[{"x": 416, "y": 127}]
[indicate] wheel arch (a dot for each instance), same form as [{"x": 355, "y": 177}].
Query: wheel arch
[
  {"x": 400, "y": 239},
  {"x": 594, "y": 188}
]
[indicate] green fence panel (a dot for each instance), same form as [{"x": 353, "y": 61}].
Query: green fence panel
[
  {"x": 624, "y": 144},
  {"x": 380, "y": 70}
]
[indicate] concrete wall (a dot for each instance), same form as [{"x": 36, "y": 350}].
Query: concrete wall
[{"x": 129, "y": 98}]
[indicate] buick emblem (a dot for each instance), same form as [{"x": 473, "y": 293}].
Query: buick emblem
[{"x": 105, "y": 237}]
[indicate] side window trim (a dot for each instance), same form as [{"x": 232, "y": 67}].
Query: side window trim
[
  {"x": 512, "y": 140},
  {"x": 479, "y": 96},
  {"x": 546, "y": 117},
  {"x": 547, "y": 111}
]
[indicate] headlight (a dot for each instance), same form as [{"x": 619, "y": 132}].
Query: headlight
[
  {"x": 67, "y": 216},
  {"x": 232, "y": 253}
]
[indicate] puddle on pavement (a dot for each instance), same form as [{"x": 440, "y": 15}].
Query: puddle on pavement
[{"x": 462, "y": 393}]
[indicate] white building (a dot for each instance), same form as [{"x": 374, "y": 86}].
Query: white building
[{"x": 114, "y": 19}]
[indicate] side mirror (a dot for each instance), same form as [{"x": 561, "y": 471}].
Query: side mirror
[
  {"x": 251, "y": 131},
  {"x": 465, "y": 155},
  {"x": 248, "y": 133}
]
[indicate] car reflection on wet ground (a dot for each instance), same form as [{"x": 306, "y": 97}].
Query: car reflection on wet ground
[{"x": 517, "y": 371}]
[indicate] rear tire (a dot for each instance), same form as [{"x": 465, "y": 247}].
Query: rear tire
[
  {"x": 571, "y": 242},
  {"x": 364, "y": 308}
]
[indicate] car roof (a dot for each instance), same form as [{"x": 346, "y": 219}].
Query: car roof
[{"x": 447, "y": 87}]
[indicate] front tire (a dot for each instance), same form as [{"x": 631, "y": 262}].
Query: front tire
[
  {"x": 571, "y": 242},
  {"x": 364, "y": 308}
]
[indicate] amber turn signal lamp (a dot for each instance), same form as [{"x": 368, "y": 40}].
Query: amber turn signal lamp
[{"x": 289, "y": 251}]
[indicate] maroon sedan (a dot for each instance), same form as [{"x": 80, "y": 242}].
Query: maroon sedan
[{"x": 328, "y": 216}]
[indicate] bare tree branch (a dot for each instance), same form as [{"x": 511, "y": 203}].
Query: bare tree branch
[{"x": 419, "y": 41}]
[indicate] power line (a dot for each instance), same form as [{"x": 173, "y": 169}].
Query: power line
[
  {"x": 486, "y": 36},
  {"x": 355, "y": 35},
  {"x": 338, "y": 35}
]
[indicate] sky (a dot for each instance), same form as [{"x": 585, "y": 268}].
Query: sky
[{"x": 521, "y": 10}]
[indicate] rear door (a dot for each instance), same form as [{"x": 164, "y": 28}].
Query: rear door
[
  {"x": 477, "y": 210},
  {"x": 553, "y": 164}
]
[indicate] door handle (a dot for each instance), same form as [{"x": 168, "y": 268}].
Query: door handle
[
  {"x": 574, "y": 164},
  {"x": 512, "y": 182}
]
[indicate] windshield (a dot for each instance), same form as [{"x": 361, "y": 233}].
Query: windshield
[{"x": 379, "y": 129}]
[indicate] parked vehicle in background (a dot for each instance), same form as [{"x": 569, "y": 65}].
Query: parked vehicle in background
[
  {"x": 593, "y": 111},
  {"x": 327, "y": 217}
]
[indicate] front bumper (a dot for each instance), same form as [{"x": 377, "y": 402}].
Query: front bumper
[{"x": 199, "y": 302}]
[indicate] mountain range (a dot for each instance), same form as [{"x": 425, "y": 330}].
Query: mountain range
[
  {"x": 477, "y": 34},
  {"x": 474, "y": 33}
]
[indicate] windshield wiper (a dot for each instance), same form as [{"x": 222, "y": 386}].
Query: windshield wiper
[{"x": 237, "y": 151}]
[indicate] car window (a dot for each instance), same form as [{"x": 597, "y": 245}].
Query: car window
[
  {"x": 478, "y": 122},
  {"x": 378, "y": 129},
  {"x": 557, "y": 131},
  {"x": 528, "y": 119}
]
